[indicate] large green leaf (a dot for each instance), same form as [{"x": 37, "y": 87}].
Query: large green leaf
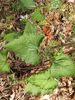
[
  {"x": 63, "y": 66},
  {"x": 44, "y": 87},
  {"x": 30, "y": 29},
  {"x": 28, "y": 3},
  {"x": 4, "y": 67},
  {"x": 37, "y": 16},
  {"x": 40, "y": 83},
  {"x": 26, "y": 47}
]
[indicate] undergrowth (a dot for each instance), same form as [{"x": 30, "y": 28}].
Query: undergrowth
[{"x": 25, "y": 45}]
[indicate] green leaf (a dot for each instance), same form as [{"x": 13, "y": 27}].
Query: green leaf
[
  {"x": 30, "y": 29},
  {"x": 74, "y": 83},
  {"x": 42, "y": 23},
  {"x": 21, "y": 6},
  {"x": 55, "y": 4},
  {"x": 62, "y": 36},
  {"x": 26, "y": 47},
  {"x": 11, "y": 17},
  {"x": 4, "y": 67},
  {"x": 18, "y": 7},
  {"x": 0, "y": 36},
  {"x": 14, "y": 7},
  {"x": 47, "y": 53},
  {"x": 37, "y": 16},
  {"x": 12, "y": 78},
  {"x": 40, "y": 83},
  {"x": 48, "y": 86},
  {"x": 24, "y": 22},
  {"x": 73, "y": 28},
  {"x": 63, "y": 66},
  {"x": 28, "y": 4},
  {"x": 73, "y": 54},
  {"x": 29, "y": 88},
  {"x": 11, "y": 35},
  {"x": 0, "y": 9}
]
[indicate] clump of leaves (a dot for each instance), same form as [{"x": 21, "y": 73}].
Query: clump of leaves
[
  {"x": 26, "y": 46},
  {"x": 18, "y": 7},
  {"x": 37, "y": 16},
  {"x": 43, "y": 82},
  {"x": 23, "y": 4},
  {"x": 4, "y": 66},
  {"x": 23, "y": 22}
]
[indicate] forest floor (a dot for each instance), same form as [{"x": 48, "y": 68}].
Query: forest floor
[{"x": 61, "y": 21}]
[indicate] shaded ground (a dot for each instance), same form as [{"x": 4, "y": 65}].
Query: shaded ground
[{"x": 60, "y": 23}]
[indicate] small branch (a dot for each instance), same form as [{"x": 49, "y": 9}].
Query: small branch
[{"x": 68, "y": 44}]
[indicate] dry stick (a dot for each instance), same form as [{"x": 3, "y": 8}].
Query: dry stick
[{"x": 68, "y": 44}]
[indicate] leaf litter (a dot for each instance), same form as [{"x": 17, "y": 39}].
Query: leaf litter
[{"x": 59, "y": 24}]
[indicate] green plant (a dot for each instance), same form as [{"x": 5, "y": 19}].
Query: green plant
[
  {"x": 74, "y": 83},
  {"x": 73, "y": 54},
  {"x": 23, "y": 22},
  {"x": 37, "y": 16},
  {"x": 22, "y": 4},
  {"x": 62, "y": 36},
  {"x": 55, "y": 4},
  {"x": 0, "y": 8},
  {"x": 43, "y": 82},
  {"x": 28, "y": 4},
  {"x": 12, "y": 77},
  {"x": 4, "y": 66},
  {"x": 10, "y": 17},
  {"x": 30, "y": 29},
  {"x": 42, "y": 23},
  {"x": 47, "y": 53},
  {"x": 72, "y": 37},
  {"x": 26, "y": 47},
  {"x": 18, "y": 7},
  {"x": 0, "y": 36},
  {"x": 11, "y": 35}
]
